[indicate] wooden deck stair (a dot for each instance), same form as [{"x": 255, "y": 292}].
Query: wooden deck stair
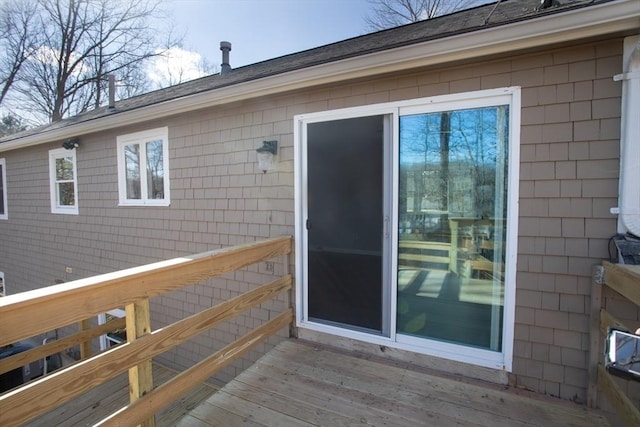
[{"x": 299, "y": 384}]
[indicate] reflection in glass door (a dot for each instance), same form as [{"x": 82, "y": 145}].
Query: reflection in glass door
[
  {"x": 452, "y": 209},
  {"x": 345, "y": 220}
]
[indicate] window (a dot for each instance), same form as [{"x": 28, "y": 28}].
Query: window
[
  {"x": 115, "y": 337},
  {"x": 3, "y": 288},
  {"x": 3, "y": 190},
  {"x": 143, "y": 168},
  {"x": 452, "y": 211},
  {"x": 415, "y": 247},
  {"x": 64, "y": 181}
]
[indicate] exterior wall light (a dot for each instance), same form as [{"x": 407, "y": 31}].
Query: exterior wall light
[
  {"x": 266, "y": 155},
  {"x": 71, "y": 143}
]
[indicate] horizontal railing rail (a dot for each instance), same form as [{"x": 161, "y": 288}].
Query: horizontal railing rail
[
  {"x": 31, "y": 313},
  {"x": 56, "y": 346}
]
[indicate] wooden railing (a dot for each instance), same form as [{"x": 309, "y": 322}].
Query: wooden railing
[
  {"x": 625, "y": 280},
  {"x": 35, "y": 312}
]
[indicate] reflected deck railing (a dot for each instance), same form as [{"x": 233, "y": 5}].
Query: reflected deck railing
[{"x": 36, "y": 312}]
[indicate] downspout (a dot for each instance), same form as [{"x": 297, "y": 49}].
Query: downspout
[{"x": 629, "y": 187}]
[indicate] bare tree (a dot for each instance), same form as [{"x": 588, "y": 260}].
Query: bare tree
[
  {"x": 393, "y": 13},
  {"x": 16, "y": 41},
  {"x": 81, "y": 43},
  {"x": 10, "y": 124}
]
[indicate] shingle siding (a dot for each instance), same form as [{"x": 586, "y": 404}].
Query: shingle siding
[
  {"x": 572, "y": 198},
  {"x": 569, "y": 178}
]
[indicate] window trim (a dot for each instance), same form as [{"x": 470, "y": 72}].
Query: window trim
[
  {"x": 107, "y": 341},
  {"x": 502, "y": 360},
  {"x": 55, "y": 207},
  {"x": 140, "y": 138},
  {"x": 3, "y": 176}
]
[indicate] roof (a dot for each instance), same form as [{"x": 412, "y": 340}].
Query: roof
[{"x": 453, "y": 26}]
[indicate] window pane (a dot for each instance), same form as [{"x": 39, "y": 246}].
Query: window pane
[
  {"x": 452, "y": 215},
  {"x": 132, "y": 172},
  {"x": 1, "y": 191},
  {"x": 155, "y": 170},
  {"x": 64, "y": 168},
  {"x": 66, "y": 194}
]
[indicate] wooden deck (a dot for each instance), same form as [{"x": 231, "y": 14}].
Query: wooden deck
[
  {"x": 298, "y": 384},
  {"x": 103, "y": 400}
]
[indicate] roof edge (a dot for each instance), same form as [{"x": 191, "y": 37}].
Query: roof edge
[{"x": 566, "y": 26}]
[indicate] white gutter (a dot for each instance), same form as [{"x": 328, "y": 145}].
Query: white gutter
[
  {"x": 629, "y": 187},
  {"x": 592, "y": 21}
]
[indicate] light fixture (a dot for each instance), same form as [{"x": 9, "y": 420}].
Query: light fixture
[
  {"x": 71, "y": 143},
  {"x": 266, "y": 155}
]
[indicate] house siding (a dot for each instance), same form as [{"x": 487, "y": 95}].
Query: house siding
[{"x": 568, "y": 181}]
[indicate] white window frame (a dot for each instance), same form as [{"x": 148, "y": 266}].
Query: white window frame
[
  {"x": 107, "y": 341},
  {"x": 510, "y": 96},
  {"x": 4, "y": 215},
  {"x": 59, "y": 153},
  {"x": 140, "y": 138}
]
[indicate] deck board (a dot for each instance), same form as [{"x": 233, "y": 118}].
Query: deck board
[
  {"x": 301, "y": 384},
  {"x": 101, "y": 401}
]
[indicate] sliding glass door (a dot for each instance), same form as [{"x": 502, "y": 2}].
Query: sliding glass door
[{"x": 407, "y": 224}]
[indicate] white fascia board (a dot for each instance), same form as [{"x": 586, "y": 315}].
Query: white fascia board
[{"x": 593, "y": 21}]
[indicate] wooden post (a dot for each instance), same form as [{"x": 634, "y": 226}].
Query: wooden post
[
  {"x": 140, "y": 376},
  {"x": 85, "y": 346},
  {"x": 291, "y": 295},
  {"x": 453, "y": 252},
  {"x": 596, "y": 344}
]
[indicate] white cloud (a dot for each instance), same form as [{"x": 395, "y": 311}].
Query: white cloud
[{"x": 175, "y": 65}]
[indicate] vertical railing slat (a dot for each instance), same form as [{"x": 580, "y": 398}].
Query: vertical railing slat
[
  {"x": 140, "y": 376},
  {"x": 85, "y": 346}
]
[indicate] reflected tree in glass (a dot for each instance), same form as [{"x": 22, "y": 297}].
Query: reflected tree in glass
[
  {"x": 155, "y": 170},
  {"x": 132, "y": 170},
  {"x": 1, "y": 193},
  {"x": 64, "y": 180},
  {"x": 452, "y": 215}
]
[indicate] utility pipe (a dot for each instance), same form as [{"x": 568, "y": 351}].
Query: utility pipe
[{"x": 629, "y": 187}]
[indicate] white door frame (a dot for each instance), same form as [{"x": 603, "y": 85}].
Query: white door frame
[{"x": 504, "y": 96}]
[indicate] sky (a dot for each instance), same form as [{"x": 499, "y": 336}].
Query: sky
[
  {"x": 264, "y": 29},
  {"x": 257, "y": 29}
]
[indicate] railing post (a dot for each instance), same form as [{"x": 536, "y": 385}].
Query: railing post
[
  {"x": 596, "y": 345},
  {"x": 85, "y": 346},
  {"x": 291, "y": 294},
  {"x": 140, "y": 376}
]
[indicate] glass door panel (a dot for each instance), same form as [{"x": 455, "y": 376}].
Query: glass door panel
[
  {"x": 452, "y": 205},
  {"x": 345, "y": 202}
]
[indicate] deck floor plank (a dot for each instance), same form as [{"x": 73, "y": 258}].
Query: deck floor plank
[
  {"x": 484, "y": 401},
  {"x": 305, "y": 410},
  {"x": 303, "y": 384},
  {"x": 207, "y": 414},
  {"x": 257, "y": 413},
  {"x": 376, "y": 403}
]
